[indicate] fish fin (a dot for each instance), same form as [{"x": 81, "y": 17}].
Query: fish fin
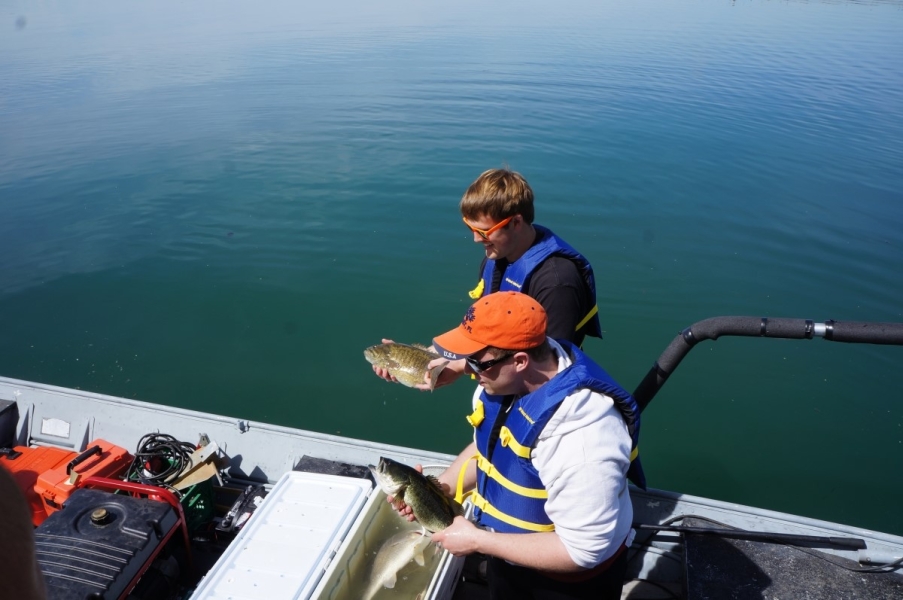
[
  {"x": 453, "y": 505},
  {"x": 420, "y": 546},
  {"x": 434, "y": 374},
  {"x": 434, "y": 482},
  {"x": 428, "y": 347},
  {"x": 398, "y": 501},
  {"x": 389, "y": 580}
]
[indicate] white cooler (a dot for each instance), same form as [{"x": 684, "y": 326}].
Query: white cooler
[{"x": 307, "y": 540}]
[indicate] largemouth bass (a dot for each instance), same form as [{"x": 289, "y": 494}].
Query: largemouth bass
[
  {"x": 407, "y": 363},
  {"x": 432, "y": 508},
  {"x": 393, "y": 556}
]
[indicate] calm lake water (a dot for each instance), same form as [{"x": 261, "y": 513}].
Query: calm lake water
[{"x": 218, "y": 206}]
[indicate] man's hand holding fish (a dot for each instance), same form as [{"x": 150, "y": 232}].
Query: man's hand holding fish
[{"x": 460, "y": 538}]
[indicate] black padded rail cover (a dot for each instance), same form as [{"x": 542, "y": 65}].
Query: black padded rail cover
[
  {"x": 742, "y": 570},
  {"x": 82, "y": 559},
  {"x": 312, "y": 464}
]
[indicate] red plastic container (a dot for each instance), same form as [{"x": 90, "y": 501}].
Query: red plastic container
[
  {"x": 27, "y": 465},
  {"x": 101, "y": 459}
]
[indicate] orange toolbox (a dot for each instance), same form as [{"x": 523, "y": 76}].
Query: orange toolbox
[
  {"x": 26, "y": 464},
  {"x": 101, "y": 459}
]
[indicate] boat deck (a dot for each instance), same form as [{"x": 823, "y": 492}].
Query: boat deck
[{"x": 741, "y": 569}]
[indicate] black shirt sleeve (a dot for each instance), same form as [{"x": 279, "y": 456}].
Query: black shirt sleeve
[{"x": 558, "y": 286}]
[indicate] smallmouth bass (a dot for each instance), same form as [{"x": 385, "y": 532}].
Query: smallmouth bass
[{"x": 406, "y": 362}]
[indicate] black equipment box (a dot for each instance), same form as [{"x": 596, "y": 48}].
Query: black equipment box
[
  {"x": 9, "y": 417},
  {"x": 100, "y": 543}
]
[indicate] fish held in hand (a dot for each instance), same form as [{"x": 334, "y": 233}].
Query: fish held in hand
[
  {"x": 405, "y": 362},
  {"x": 431, "y": 507},
  {"x": 393, "y": 556}
]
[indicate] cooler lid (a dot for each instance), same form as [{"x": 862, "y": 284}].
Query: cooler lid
[{"x": 289, "y": 541}]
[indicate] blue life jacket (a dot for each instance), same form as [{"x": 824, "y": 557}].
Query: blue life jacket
[
  {"x": 510, "y": 496},
  {"x": 517, "y": 274}
]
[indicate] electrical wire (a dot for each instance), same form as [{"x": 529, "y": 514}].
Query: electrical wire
[{"x": 159, "y": 460}]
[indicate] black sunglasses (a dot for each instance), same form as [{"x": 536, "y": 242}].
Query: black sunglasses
[{"x": 479, "y": 367}]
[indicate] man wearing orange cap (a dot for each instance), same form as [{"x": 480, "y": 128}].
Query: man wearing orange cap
[{"x": 555, "y": 440}]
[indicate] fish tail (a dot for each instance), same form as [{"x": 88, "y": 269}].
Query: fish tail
[{"x": 434, "y": 374}]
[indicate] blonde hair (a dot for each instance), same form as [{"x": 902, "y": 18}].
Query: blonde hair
[{"x": 498, "y": 194}]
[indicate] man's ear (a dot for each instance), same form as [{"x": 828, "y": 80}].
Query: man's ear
[{"x": 521, "y": 361}]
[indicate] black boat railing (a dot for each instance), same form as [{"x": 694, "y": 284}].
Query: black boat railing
[{"x": 853, "y": 332}]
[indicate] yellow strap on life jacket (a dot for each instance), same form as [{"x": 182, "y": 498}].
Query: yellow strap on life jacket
[
  {"x": 508, "y": 441},
  {"x": 489, "y": 509},
  {"x": 478, "y": 415},
  {"x": 634, "y": 453},
  {"x": 586, "y": 319},
  {"x": 459, "y": 489},
  {"x": 477, "y": 292},
  {"x": 487, "y": 467}
]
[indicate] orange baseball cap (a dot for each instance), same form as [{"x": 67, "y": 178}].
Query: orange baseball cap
[{"x": 508, "y": 320}]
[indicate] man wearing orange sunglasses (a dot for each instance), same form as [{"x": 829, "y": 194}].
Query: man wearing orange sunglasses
[{"x": 526, "y": 258}]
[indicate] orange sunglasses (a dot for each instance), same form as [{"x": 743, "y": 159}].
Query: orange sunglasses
[{"x": 485, "y": 233}]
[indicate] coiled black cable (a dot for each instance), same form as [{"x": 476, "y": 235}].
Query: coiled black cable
[{"x": 159, "y": 460}]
